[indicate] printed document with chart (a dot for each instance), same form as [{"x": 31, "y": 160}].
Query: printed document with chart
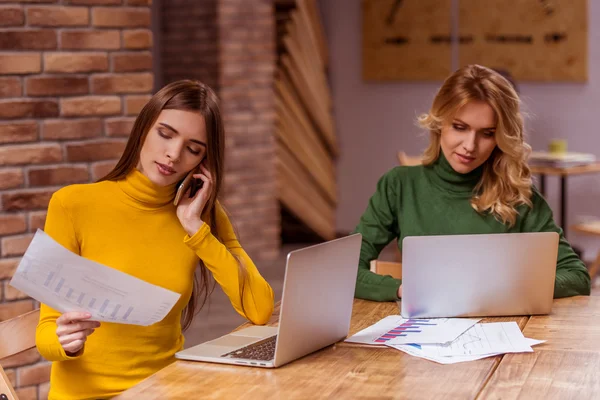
[{"x": 67, "y": 282}]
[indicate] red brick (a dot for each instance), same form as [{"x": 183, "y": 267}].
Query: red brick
[
  {"x": 37, "y": 220},
  {"x": 26, "y": 200},
  {"x": 90, "y": 105},
  {"x": 12, "y": 223},
  {"x": 54, "y": 176},
  {"x": 8, "y": 267},
  {"x": 69, "y": 129},
  {"x": 15, "y": 245},
  {"x": 15, "y": 308},
  {"x": 10, "y": 109},
  {"x": 10, "y": 294},
  {"x": 11, "y": 16},
  {"x": 134, "y": 104},
  {"x": 30, "y": 154},
  {"x": 58, "y": 16},
  {"x": 39, "y": 39},
  {"x": 100, "y": 169},
  {"x": 130, "y": 62},
  {"x": 95, "y": 151},
  {"x": 34, "y": 374},
  {"x": 27, "y": 393},
  {"x": 122, "y": 83},
  {"x": 119, "y": 126},
  {"x": 56, "y": 86},
  {"x": 11, "y": 374},
  {"x": 94, "y": 2},
  {"x": 11, "y": 178},
  {"x": 20, "y": 63},
  {"x": 10, "y": 87},
  {"x": 99, "y": 39},
  {"x": 29, "y": 1},
  {"x": 137, "y": 39},
  {"x": 18, "y": 132},
  {"x": 75, "y": 62},
  {"x": 139, "y": 2},
  {"x": 121, "y": 17},
  {"x": 44, "y": 388}
]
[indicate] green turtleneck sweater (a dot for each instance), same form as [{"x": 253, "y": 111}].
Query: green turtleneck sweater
[{"x": 434, "y": 200}]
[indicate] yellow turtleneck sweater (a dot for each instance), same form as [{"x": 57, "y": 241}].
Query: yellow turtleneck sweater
[{"x": 131, "y": 225}]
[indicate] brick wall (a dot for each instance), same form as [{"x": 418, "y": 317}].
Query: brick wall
[
  {"x": 246, "y": 82},
  {"x": 189, "y": 45},
  {"x": 73, "y": 75},
  {"x": 230, "y": 45}
]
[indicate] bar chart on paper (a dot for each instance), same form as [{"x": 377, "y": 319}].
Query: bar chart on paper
[
  {"x": 394, "y": 329},
  {"x": 408, "y": 329},
  {"x": 67, "y": 282},
  {"x": 92, "y": 301}
]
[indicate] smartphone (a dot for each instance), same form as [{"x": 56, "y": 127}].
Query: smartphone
[{"x": 188, "y": 182}]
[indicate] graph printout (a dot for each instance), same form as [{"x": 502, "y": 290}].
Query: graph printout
[
  {"x": 394, "y": 329},
  {"x": 67, "y": 282}
]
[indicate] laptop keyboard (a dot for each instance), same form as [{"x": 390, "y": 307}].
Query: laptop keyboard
[{"x": 263, "y": 350}]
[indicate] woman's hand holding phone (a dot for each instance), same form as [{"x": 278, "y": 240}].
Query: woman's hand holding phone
[{"x": 189, "y": 209}]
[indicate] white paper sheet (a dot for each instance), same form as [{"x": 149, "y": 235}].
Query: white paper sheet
[
  {"x": 397, "y": 330},
  {"x": 66, "y": 282},
  {"x": 483, "y": 340}
]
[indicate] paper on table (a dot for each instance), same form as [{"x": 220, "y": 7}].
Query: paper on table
[
  {"x": 496, "y": 337},
  {"x": 397, "y": 330},
  {"x": 483, "y": 340},
  {"x": 67, "y": 282},
  {"x": 415, "y": 350}
]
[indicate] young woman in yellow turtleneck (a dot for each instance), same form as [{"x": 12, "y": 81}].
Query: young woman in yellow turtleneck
[{"x": 128, "y": 221}]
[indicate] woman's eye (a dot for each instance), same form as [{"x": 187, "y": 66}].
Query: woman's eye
[
  {"x": 195, "y": 152},
  {"x": 162, "y": 134},
  {"x": 458, "y": 127},
  {"x": 489, "y": 133}
]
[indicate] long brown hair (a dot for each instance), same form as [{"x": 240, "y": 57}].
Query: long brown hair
[
  {"x": 506, "y": 181},
  {"x": 194, "y": 96}
]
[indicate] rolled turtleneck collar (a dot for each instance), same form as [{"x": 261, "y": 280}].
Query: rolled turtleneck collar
[
  {"x": 144, "y": 193},
  {"x": 444, "y": 176}
]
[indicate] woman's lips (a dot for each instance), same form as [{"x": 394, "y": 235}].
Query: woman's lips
[{"x": 165, "y": 169}]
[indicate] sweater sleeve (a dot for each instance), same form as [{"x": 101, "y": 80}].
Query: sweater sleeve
[
  {"x": 378, "y": 226},
  {"x": 59, "y": 227},
  {"x": 572, "y": 277},
  {"x": 251, "y": 297}
]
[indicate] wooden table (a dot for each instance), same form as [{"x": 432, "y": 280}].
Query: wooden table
[
  {"x": 566, "y": 367},
  {"x": 563, "y": 173},
  {"x": 343, "y": 371}
]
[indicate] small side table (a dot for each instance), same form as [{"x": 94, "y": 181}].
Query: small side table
[{"x": 563, "y": 173}]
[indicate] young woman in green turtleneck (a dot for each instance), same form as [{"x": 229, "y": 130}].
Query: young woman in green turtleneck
[{"x": 474, "y": 179}]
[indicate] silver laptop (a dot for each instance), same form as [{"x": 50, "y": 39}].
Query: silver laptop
[
  {"x": 316, "y": 307},
  {"x": 478, "y": 275}
]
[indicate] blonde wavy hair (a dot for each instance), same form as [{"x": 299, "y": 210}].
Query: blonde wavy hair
[{"x": 506, "y": 180}]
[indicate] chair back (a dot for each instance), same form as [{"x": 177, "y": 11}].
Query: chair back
[
  {"x": 406, "y": 160},
  {"x": 18, "y": 335},
  {"x": 394, "y": 269}
]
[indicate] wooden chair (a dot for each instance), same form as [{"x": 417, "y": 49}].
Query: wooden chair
[
  {"x": 387, "y": 268},
  {"x": 17, "y": 335},
  {"x": 406, "y": 160},
  {"x": 590, "y": 228}
]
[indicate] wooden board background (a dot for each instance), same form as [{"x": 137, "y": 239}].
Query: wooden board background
[
  {"x": 535, "y": 40},
  {"x": 422, "y": 23}
]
